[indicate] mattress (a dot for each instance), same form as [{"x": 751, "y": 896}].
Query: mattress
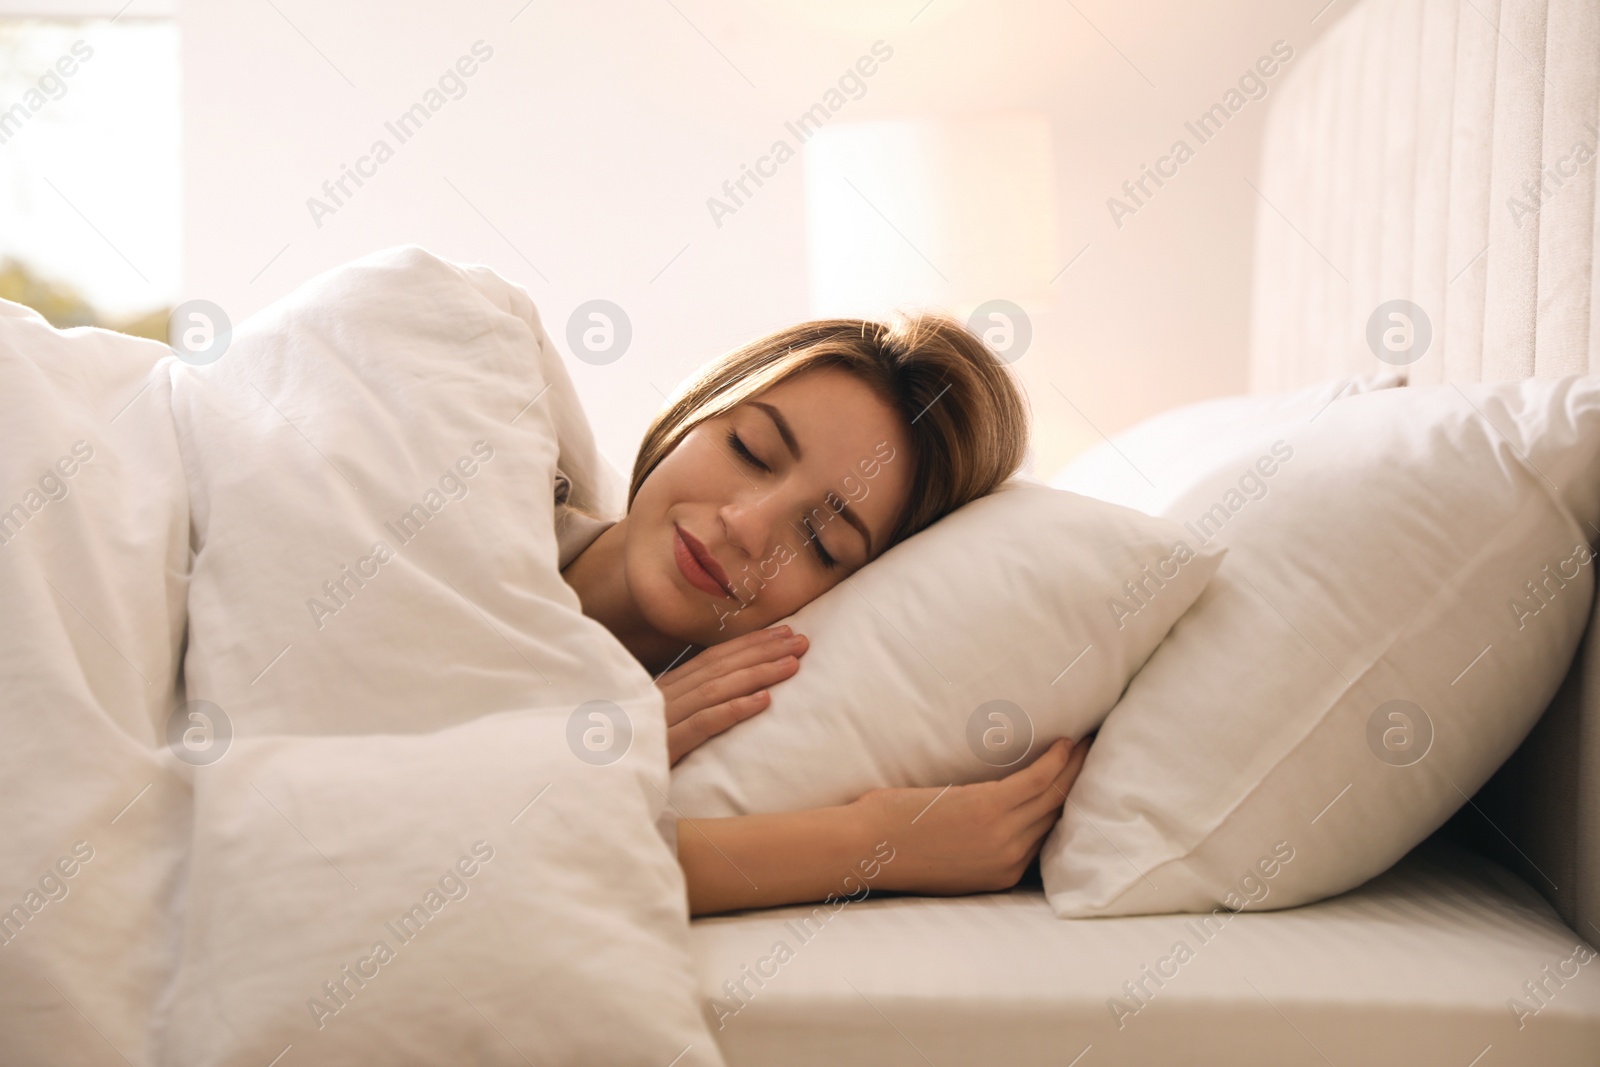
[{"x": 1446, "y": 958}]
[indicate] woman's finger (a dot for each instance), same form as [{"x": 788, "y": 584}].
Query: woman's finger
[
  {"x": 697, "y": 728},
  {"x": 719, "y": 690},
  {"x": 745, "y": 680},
  {"x": 1053, "y": 797},
  {"x": 681, "y": 667},
  {"x": 1019, "y": 787},
  {"x": 1035, "y": 831},
  {"x": 742, "y": 651},
  {"x": 1039, "y": 829},
  {"x": 761, "y": 652},
  {"x": 712, "y": 653}
]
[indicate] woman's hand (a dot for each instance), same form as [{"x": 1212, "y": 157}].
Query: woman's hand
[
  {"x": 972, "y": 838},
  {"x": 725, "y": 684}
]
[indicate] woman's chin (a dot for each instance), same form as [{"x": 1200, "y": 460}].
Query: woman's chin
[
  {"x": 708, "y": 622},
  {"x": 672, "y": 607}
]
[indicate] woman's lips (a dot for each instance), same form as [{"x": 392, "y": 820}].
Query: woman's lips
[{"x": 697, "y": 565}]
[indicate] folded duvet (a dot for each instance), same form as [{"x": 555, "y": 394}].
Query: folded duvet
[{"x": 317, "y": 759}]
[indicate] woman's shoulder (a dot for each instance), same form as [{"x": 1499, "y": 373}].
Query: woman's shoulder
[{"x": 576, "y": 529}]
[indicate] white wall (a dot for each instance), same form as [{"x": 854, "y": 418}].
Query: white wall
[{"x": 580, "y": 159}]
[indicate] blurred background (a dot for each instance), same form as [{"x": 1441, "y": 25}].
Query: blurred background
[{"x": 714, "y": 169}]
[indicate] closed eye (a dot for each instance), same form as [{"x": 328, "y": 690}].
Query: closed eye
[
  {"x": 823, "y": 556},
  {"x": 749, "y": 457},
  {"x": 822, "y": 553}
]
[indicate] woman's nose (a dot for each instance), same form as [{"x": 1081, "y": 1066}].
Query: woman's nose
[{"x": 754, "y": 523}]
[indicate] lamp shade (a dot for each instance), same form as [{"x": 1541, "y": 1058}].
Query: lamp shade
[{"x": 938, "y": 212}]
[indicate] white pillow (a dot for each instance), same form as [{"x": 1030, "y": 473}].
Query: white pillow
[
  {"x": 1151, "y": 464},
  {"x": 957, "y": 654},
  {"x": 392, "y": 709},
  {"x": 1360, "y": 664}
]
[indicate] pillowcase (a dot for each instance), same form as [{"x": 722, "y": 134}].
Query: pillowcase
[
  {"x": 433, "y": 838},
  {"x": 1150, "y": 465},
  {"x": 1407, "y": 579},
  {"x": 957, "y": 654}
]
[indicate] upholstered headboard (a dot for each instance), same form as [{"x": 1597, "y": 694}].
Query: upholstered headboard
[{"x": 1443, "y": 152}]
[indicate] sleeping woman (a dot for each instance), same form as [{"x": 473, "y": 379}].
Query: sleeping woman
[{"x": 786, "y": 466}]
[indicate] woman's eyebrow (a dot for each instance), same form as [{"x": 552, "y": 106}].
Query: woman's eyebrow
[
  {"x": 846, "y": 512},
  {"x": 849, "y": 515},
  {"x": 782, "y": 424}
]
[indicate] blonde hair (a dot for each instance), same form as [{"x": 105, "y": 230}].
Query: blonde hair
[{"x": 966, "y": 419}]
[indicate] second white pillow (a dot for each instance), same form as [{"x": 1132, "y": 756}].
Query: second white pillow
[
  {"x": 1391, "y": 621},
  {"x": 958, "y": 655}
]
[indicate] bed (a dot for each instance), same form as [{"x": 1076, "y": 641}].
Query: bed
[
  {"x": 1393, "y": 153},
  {"x": 272, "y": 625},
  {"x": 1415, "y": 967}
]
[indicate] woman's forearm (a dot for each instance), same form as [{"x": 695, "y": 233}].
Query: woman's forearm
[
  {"x": 974, "y": 838},
  {"x": 761, "y": 861}
]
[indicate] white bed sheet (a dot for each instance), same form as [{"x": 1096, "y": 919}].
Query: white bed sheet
[{"x": 1416, "y": 967}]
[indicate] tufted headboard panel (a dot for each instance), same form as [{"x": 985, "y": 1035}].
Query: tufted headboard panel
[
  {"x": 1443, "y": 152},
  {"x": 1403, "y": 158}
]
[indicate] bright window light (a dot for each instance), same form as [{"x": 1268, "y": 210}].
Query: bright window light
[{"x": 89, "y": 169}]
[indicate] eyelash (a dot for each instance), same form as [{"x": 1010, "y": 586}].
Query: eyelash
[
  {"x": 822, "y": 554},
  {"x": 750, "y": 457},
  {"x": 739, "y": 446}
]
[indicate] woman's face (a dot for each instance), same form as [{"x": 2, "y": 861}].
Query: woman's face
[{"x": 758, "y": 511}]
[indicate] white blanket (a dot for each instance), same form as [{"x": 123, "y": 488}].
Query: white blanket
[{"x": 400, "y": 805}]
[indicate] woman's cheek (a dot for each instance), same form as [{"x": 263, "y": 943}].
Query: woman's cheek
[
  {"x": 774, "y": 565},
  {"x": 783, "y": 595}
]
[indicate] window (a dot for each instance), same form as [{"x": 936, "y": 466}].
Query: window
[{"x": 90, "y": 163}]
